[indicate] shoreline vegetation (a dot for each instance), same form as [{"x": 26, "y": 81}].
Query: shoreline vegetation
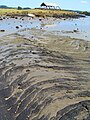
[{"x": 43, "y": 13}]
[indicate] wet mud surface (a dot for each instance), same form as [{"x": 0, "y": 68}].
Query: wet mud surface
[{"x": 44, "y": 77}]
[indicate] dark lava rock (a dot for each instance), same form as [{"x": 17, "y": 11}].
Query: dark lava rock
[
  {"x": 27, "y": 70},
  {"x": 75, "y": 30},
  {"x": 2, "y": 30},
  {"x": 4, "y": 18},
  {"x": 40, "y": 19},
  {"x": 1, "y": 19},
  {"x": 17, "y": 27},
  {"x": 16, "y": 17}
]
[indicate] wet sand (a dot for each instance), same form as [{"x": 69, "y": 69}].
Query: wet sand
[{"x": 44, "y": 76}]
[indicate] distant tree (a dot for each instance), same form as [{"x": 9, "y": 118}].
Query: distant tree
[
  {"x": 19, "y": 8},
  {"x": 26, "y": 8},
  {"x": 3, "y": 6}
]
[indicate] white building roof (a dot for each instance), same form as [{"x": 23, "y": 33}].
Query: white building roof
[{"x": 51, "y": 4}]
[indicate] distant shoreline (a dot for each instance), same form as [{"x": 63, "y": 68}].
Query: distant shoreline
[{"x": 42, "y": 13}]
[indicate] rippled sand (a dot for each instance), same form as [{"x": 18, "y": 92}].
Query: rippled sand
[{"x": 44, "y": 77}]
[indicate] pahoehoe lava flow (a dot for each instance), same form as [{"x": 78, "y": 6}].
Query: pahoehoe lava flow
[{"x": 37, "y": 83}]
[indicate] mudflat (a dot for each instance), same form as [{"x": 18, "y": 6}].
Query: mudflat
[{"x": 44, "y": 77}]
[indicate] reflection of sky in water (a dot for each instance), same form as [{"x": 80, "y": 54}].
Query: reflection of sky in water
[
  {"x": 82, "y": 25},
  {"x": 9, "y": 25},
  {"x": 62, "y": 26}
]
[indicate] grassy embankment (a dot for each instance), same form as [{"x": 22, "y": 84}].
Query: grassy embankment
[
  {"x": 39, "y": 12},
  {"x": 85, "y": 13}
]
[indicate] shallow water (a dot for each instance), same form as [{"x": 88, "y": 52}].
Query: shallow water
[
  {"x": 62, "y": 27},
  {"x": 9, "y": 25},
  {"x": 66, "y": 28}
]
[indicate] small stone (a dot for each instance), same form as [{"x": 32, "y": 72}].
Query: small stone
[
  {"x": 2, "y": 30},
  {"x": 27, "y": 70},
  {"x": 75, "y": 30},
  {"x": 1, "y": 19},
  {"x": 17, "y": 27}
]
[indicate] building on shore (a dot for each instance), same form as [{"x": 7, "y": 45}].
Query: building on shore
[{"x": 49, "y": 6}]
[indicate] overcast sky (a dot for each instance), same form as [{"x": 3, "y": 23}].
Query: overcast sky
[{"x": 64, "y": 4}]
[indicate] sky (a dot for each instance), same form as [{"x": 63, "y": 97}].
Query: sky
[{"x": 64, "y": 4}]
